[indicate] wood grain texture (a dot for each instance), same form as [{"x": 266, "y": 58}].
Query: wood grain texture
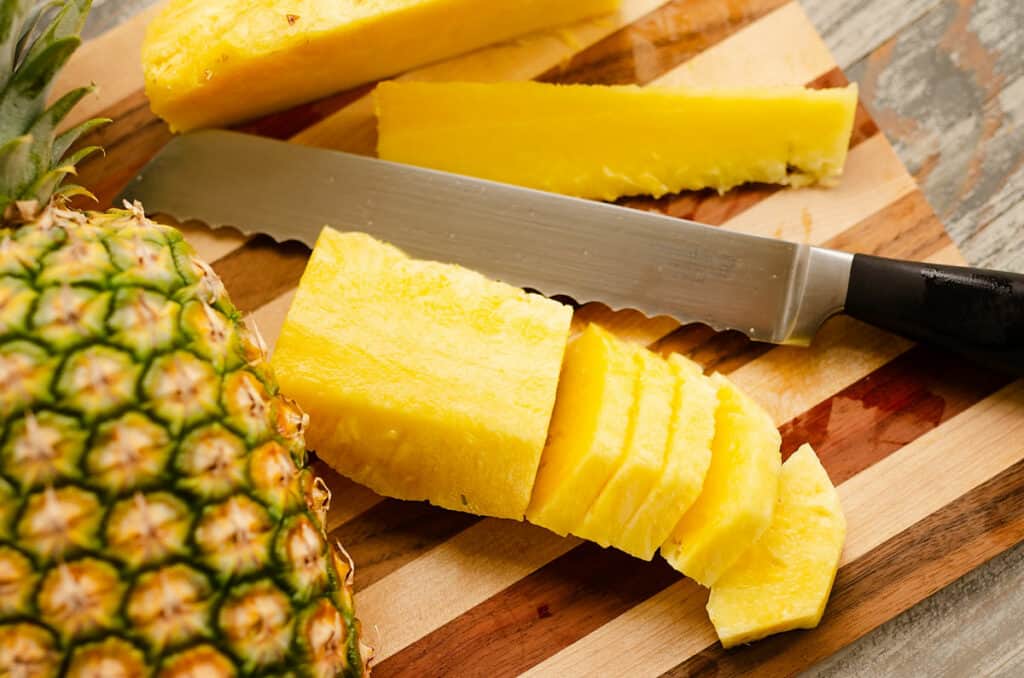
[
  {"x": 954, "y": 112},
  {"x": 492, "y": 597}
]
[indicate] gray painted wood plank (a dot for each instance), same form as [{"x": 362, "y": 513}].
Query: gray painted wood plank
[
  {"x": 854, "y": 29},
  {"x": 947, "y": 91},
  {"x": 970, "y": 628}
]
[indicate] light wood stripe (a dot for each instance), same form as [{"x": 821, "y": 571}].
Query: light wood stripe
[
  {"x": 873, "y": 178},
  {"x": 353, "y": 128},
  {"x": 797, "y": 55},
  {"x": 880, "y": 502},
  {"x": 210, "y": 244},
  {"x": 790, "y": 380}
]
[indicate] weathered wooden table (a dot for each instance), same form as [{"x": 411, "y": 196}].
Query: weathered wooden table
[{"x": 943, "y": 78}]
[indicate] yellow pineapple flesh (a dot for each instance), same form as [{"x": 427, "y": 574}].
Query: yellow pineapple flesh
[
  {"x": 738, "y": 498},
  {"x": 216, "y": 62},
  {"x": 685, "y": 464},
  {"x": 590, "y": 429},
  {"x": 423, "y": 380},
  {"x": 783, "y": 581},
  {"x": 606, "y": 142},
  {"x": 640, "y": 464}
]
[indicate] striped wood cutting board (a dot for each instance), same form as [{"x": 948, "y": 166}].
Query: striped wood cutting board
[{"x": 928, "y": 452}]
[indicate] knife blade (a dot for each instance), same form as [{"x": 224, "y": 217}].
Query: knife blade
[{"x": 770, "y": 290}]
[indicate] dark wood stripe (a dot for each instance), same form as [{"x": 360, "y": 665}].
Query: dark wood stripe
[
  {"x": 588, "y": 586},
  {"x": 134, "y": 136},
  {"x": 888, "y": 580},
  {"x": 538, "y": 615},
  {"x": 286, "y": 124},
  {"x": 919, "y": 235},
  {"x": 392, "y": 533},
  {"x": 660, "y": 41},
  {"x": 890, "y": 408},
  {"x": 278, "y": 267}
]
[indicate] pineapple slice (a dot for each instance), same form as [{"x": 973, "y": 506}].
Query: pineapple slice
[
  {"x": 215, "y": 62},
  {"x": 423, "y": 380},
  {"x": 607, "y": 142},
  {"x": 589, "y": 429},
  {"x": 783, "y": 581},
  {"x": 641, "y": 462},
  {"x": 735, "y": 505},
  {"x": 685, "y": 464}
]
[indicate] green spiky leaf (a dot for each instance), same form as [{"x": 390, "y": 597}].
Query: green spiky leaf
[
  {"x": 68, "y": 23},
  {"x": 16, "y": 169},
  {"x": 65, "y": 139},
  {"x": 12, "y": 24},
  {"x": 36, "y": 41}
]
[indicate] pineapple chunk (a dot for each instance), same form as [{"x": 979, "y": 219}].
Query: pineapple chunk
[
  {"x": 422, "y": 380},
  {"x": 735, "y": 505},
  {"x": 783, "y": 581},
  {"x": 686, "y": 461},
  {"x": 641, "y": 462},
  {"x": 607, "y": 142},
  {"x": 215, "y": 62},
  {"x": 589, "y": 429}
]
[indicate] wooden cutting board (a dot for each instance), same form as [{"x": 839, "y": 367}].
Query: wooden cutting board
[{"x": 928, "y": 451}]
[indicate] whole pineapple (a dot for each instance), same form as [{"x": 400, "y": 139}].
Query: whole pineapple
[{"x": 156, "y": 514}]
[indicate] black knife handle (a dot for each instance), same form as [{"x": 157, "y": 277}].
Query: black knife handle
[{"x": 973, "y": 311}]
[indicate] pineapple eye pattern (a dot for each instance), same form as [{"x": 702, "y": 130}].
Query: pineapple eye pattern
[{"x": 156, "y": 513}]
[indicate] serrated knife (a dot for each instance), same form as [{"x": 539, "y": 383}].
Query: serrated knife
[{"x": 771, "y": 290}]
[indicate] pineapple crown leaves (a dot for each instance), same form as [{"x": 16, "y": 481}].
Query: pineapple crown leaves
[{"x": 36, "y": 41}]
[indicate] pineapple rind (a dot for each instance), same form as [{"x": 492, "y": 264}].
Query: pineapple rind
[{"x": 143, "y": 448}]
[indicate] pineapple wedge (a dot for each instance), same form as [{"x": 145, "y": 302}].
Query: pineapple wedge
[
  {"x": 606, "y": 142},
  {"x": 216, "y": 62},
  {"x": 640, "y": 464},
  {"x": 589, "y": 429},
  {"x": 685, "y": 464},
  {"x": 423, "y": 380},
  {"x": 783, "y": 581},
  {"x": 735, "y": 505}
]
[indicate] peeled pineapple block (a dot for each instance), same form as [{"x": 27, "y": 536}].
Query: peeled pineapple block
[
  {"x": 422, "y": 380},
  {"x": 783, "y": 581},
  {"x": 640, "y": 462},
  {"x": 607, "y": 142},
  {"x": 684, "y": 466},
  {"x": 590, "y": 428},
  {"x": 738, "y": 498},
  {"x": 216, "y": 62}
]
